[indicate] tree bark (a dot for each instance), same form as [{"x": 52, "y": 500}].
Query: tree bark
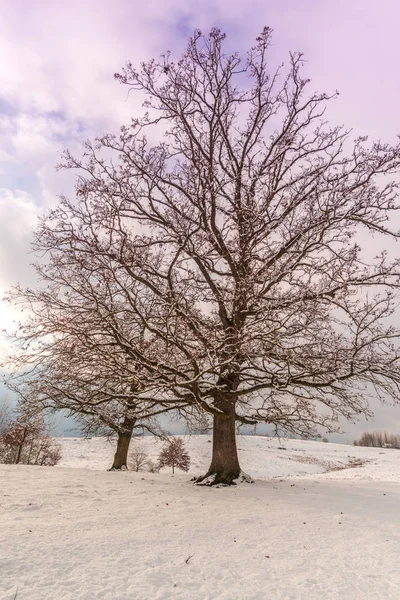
[
  {"x": 19, "y": 454},
  {"x": 20, "y": 448},
  {"x": 124, "y": 440},
  {"x": 224, "y": 468}
]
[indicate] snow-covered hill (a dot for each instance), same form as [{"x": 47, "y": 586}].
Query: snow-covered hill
[
  {"x": 70, "y": 533},
  {"x": 261, "y": 457}
]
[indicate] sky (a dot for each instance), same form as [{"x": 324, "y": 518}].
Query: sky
[{"x": 57, "y": 61}]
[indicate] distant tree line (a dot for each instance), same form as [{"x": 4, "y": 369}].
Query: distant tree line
[{"x": 379, "y": 439}]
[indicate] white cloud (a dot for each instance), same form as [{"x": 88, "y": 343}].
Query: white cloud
[{"x": 18, "y": 216}]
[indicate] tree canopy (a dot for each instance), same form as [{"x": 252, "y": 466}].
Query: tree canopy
[{"x": 217, "y": 239}]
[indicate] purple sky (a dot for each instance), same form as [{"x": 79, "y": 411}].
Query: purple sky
[{"x": 57, "y": 61}]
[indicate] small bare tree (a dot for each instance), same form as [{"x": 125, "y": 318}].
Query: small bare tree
[
  {"x": 174, "y": 455},
  {"x": 138, "y": 458}
]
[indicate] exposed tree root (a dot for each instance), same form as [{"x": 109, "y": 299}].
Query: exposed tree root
[
  {"x": 222, "y": 479},
  {"x": 122, "y": 468}
]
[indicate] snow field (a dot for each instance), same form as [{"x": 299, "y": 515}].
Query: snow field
[{"x": 70, "y": 533}]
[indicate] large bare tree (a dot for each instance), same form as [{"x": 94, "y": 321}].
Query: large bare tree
[{"x": 229, "y": 218}]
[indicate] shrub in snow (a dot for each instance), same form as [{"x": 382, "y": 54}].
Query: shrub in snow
[
  {"x": 174, "y": 454},
  {"x": 26, "y": 440},
  {"x": 152, "y": 466}
]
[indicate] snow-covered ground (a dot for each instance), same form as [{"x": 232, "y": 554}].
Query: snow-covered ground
[{"x": 307, "y": 529}]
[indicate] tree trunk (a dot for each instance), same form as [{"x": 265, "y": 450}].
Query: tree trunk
[
  {"x": 19, "y": 453},
  {"x": 224, "y": 468},
  {"x": 124, "y": 440},
  {"x": 20, "y": 448}
]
